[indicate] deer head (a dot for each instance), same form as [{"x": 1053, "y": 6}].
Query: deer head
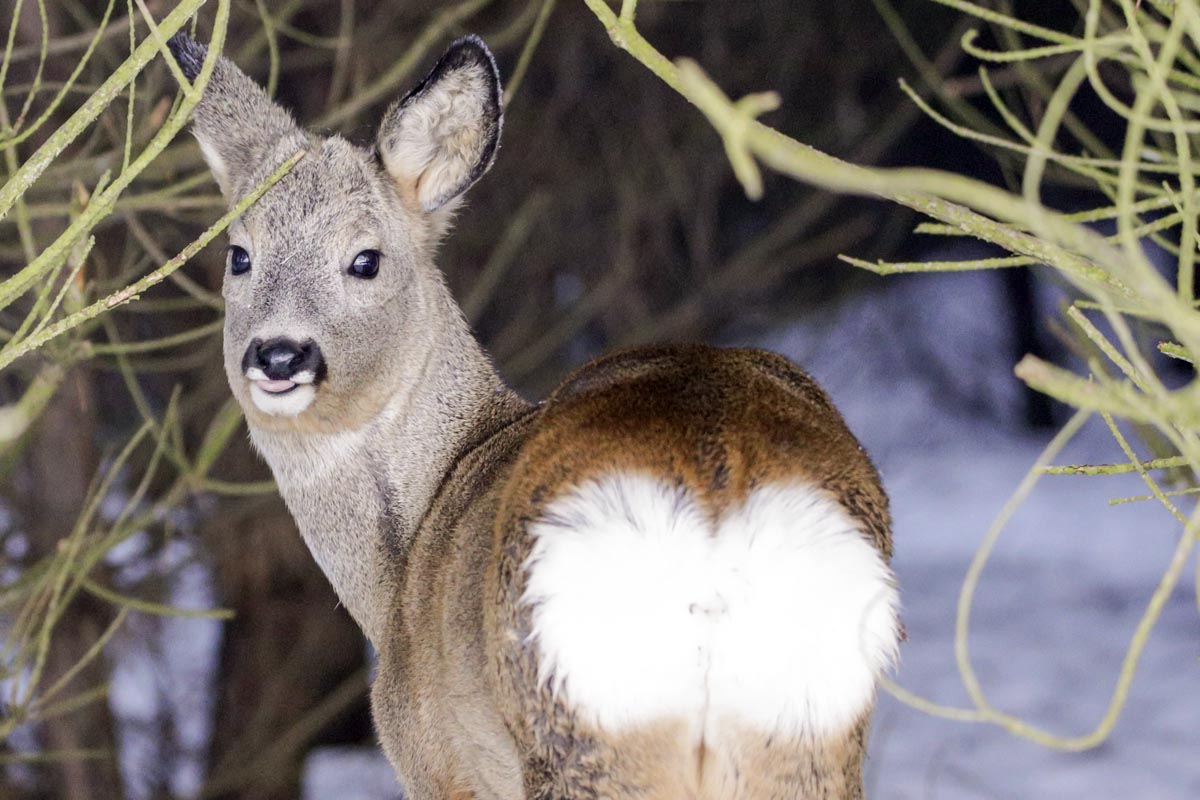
[{"x": 330, "y": 289}]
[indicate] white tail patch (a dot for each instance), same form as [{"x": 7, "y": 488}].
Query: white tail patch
[{"x": 780, "y": 614}]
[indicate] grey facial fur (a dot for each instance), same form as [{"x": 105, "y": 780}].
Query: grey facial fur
[
  {"x": 359, "y": 454},
  {"x": 299, "y": 285},
  {"x": 339, "y": 201}
]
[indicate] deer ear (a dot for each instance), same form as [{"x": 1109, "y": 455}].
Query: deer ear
[
  {"x": 236, "y": 123},
  {"x": 442, "y": 137}
]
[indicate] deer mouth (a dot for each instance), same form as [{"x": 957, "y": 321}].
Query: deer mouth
[
  {"x": 283, "y": 375},
  {"x": 276, "y": 386},
  {"x": 282, "y": 397}
]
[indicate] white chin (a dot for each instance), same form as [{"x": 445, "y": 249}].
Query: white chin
[{"x": 284, "y": 404}]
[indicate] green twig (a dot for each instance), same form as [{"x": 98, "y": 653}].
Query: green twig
[{"x": 134, "y": 290}]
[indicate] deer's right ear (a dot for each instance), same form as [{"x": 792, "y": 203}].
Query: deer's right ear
[
  {"x": 236, "y": 123},
  {"x": 442, "y": 137}
]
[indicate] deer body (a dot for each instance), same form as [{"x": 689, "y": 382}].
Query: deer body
[{"x": 668, "y": 580}]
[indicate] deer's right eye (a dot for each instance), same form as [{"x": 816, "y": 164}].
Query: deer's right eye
[{"x": 239, "y": 260}]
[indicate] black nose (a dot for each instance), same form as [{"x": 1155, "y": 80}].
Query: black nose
[{"x": 280, "y": 359}]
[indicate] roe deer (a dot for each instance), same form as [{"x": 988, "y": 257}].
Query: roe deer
[{"x": 668, "y": 580}]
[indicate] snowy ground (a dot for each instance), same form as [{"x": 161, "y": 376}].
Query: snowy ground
[
  {"x": 923, "y": 375},
  {"x": 1063, "y": 592}
]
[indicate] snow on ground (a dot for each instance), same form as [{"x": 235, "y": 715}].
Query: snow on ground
[
  {"x": 164, "y": 668},
  {"x": 923, "y": 374},
  {"x": 349, "y": 773}
]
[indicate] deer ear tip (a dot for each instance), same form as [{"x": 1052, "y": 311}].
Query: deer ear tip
[
  {"x": 470, "y": 50},
  {"x": 188, "y": 53}
]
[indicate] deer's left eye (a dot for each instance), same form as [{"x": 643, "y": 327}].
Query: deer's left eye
[
  {"x": 239, "y": 260},
  {"x": 365, "y": 265}
]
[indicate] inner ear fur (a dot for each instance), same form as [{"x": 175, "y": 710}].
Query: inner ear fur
[
  {"x": 442, "y": 137},
  {"x": 236, "y": 123}
]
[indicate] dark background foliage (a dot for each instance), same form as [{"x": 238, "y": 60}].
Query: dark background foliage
[{"x": 611, "y": 219}]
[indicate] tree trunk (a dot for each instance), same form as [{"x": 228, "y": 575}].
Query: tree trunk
[
  {"x": 289, "y": 647},
  {"x": 63, "y": 461}
]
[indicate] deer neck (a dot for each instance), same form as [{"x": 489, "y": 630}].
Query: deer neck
[{"x": 359, "y": 496}]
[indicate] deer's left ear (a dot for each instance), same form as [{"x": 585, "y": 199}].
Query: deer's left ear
[
  {"x": 443, "y": 136},
  {"x": 236, "y": 123}
]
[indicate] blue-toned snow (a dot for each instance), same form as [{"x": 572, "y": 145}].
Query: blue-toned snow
[{"x": 923, "y": 375}]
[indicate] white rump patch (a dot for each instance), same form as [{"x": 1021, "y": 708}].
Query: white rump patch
[{"x": 781, "y": 613}]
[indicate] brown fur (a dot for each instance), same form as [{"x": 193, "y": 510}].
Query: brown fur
[{"x": 721, "y": 422}]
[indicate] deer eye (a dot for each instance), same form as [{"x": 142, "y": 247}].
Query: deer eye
[
  {"x": 239, "y": 260},
  {"x": 366, "y": 264}
]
